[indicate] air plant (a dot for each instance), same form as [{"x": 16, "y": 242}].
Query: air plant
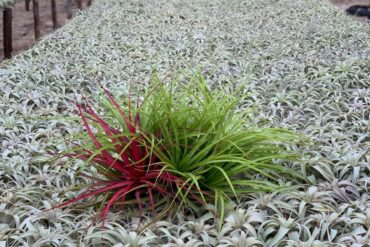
[
  {"x": 128, "y": 169},
  {"x": 239, "y": 238},
  {"x": 210, "y": 145},
  {"x": 181, "y": 142}
]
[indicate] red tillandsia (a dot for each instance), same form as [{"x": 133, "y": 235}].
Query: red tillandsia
[{"x": 125, "y": 158}]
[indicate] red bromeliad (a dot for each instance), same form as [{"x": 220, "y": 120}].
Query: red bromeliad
[{"x": 129, "y": 165}]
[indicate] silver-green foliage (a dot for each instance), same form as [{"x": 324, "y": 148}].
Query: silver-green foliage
[
  {"x": 304, "y": 66},
  {"x": 7, "y": 3}
]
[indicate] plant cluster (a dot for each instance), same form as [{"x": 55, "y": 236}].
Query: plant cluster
[
  {"x": 183, "y": 141},
  {"x": 304, "y": 65}
]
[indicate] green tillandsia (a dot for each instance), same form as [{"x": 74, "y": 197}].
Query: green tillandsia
[{"x": 204, "y": 140}]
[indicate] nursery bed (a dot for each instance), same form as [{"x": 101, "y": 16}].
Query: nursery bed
[{"x": 304, "y": 65}]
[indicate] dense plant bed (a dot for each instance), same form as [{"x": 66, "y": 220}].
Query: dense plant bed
[{"x": 300, "y": 65}]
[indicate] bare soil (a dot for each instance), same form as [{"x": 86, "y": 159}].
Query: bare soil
[
  {"x": 344, "y": 4},
  {"x": 23, "y": 29}
]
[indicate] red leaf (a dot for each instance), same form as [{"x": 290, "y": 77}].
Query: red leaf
[
  {"x": 113, "y": 185},
  {"x": 121, "y": 193},
  {"x": 152, "y": 204},
  {"x": 108, "y": 131},
  {"x": 92, "y": 136},
  {"x": 122, "y": 113}
]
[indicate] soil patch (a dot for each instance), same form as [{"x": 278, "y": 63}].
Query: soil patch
[
  {"x": 344, "y": 4},
  {"x": 23, "y": 29}
]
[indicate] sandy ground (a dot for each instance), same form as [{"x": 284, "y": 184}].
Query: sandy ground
[
  {"x": 344, "y": 4},
  {"x": 347, "y": 3},
  {"x": 23, "y": 29}
]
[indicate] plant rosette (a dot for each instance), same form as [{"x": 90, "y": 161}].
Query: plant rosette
[{"x": 183, "y": 144}]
